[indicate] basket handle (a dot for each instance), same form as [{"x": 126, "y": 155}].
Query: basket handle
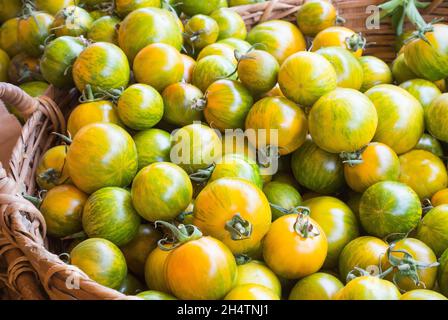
[{"x": 15, "y": 96}]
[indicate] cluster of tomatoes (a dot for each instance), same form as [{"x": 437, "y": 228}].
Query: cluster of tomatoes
[{"x": 357, "y": 210}]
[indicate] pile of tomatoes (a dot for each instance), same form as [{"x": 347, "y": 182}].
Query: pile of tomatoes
[{"x": 358, "y": 208}]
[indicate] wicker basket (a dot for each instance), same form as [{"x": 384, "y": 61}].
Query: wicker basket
[{"x": 28, "y": 270}]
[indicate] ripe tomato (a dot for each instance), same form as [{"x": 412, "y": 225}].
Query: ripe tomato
[
  {"x": 10, "y": 9},
  {"x": 279, "y": 114},
  {"x": 72, "y": 21},
  {"x": 192, "y": 7},
  {"x": 233, "y": 211},
  {"x": 256, "y": 272},
  {"x": 9, "y": 37},
  {"x": 368, "y": 288},
  {"x": 24, "y": 68},
  {"x": 292, "y": 253},
  {"x": 137, "y": 251},
  {"x": 161, "y": 191},
  {"x": 62, "y": 209},
  {"x": 436, "y": 115},
  {"x": 432, "y": 229},
  {"x": 389, "y": 207},
  {"x": 200, "y": 31},
  {"x": 52, "y": 170},
  {"x": 237, "y": 44},
  {"x": 352, "y": 115},
  {"x": 318, "y": 286},
  {"x": 153, "y": 145},
  {"x": 104, "y": 29},
  {"x": 53, "y": 6},
  {"x": 102, "y": 155},
  {"x": 101, "y": 260},
  {"x": 283, "y": 195},
  {"x": 400, "y": 117},
  {"x": 401, "y": 71},
  {"x": 422, "y": 294},
  {"x": 442, "y": 275},
  {"x": 440, "y": 197},
  {"x": 423, "y": 90},
  {"x": 364, "y": 252},
  {"x": 146, "y": 26},
  {"x": 125, "y": 7},
  {"x": 379, "y": 163},
  {"x": 219, "y": 49},
  {"x": 317, "y": 170},
  {"x": 155, "y": 295},
  {"x": 189, "y": 65},
  {"x": 305, "y": 77},
  {"x": 279, "y": 38},
  {"x": 375, "y": 71},
  {"x": 431, "y": 144},
  {"x": 251, "y": 292},
  {"x": 315, "y": 16},
  {"x": 212, "y": 68},
  {"x": 338, "y": 222},
  {"x": 4, "y": 66},
  {"x": 339, "y": 37},
  {"x": 131, "y": 285},
  {"x": 348, "y": 69},
  {"x": 231, "y": 24},
  {"x": 33, "y": 31},
  {"x": 155, "y": 270},
  {"x": 180, "y": 100}
]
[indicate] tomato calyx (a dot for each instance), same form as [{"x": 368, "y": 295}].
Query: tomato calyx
[
  {"x": 426, "y": 206},
  {"x": 421, "y": 32},
  {"x": 203, "y": 175},
  {"x": 36, "y": 201},
  {"x": 180, "y": 235},
  {"x": 29, "y": 8},
  {"x": 242, "y": 259},
  {"x": 352, "y": 158},
  {"x": 90, "y": 94},
  {"x": 239, "y": 228},
  {"x": 199, "y": 104},
  {"x": 267, "y": 154},
  {"x": 356, "y": 42},
  {"x": 303, "y": 226},
  {"x": 107, "y": 7}
]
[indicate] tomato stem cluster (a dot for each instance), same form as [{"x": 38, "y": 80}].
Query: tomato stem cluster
[
  {"x": 239, "y": 228},
  {"x": 179, "y": 235}
]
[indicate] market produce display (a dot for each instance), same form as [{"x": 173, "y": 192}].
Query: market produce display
[{"x": 205, "y": 160}]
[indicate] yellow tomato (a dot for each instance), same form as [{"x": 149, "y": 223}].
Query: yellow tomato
[
  {"x": 339, "y": 37},
  {"x": 52, "y": 170}
]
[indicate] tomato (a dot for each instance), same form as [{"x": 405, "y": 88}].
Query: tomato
[
  {"x": 432, "y": 229},
  {"x": 62, "y": 209},
  {"x": 275, "y": 92},
  {"x": 317, "y": 170},
  {"x": 424, "y": 261},
  {"x": 230, "y": 23},
  {"x": 282, "y": 115},
  {"x": 442, "y": 274},
  {"x": 295, "y": 246},
  {"x": 353, "y": 199},
  {"x": 155, "y": 270},
  {"x": 402, "y": 39},
  {"x": 318, "y": 286},
  {"x": 379, "y": 163},
  {"x": 428, "y": 58},
  {"x": 305, "y": 77},
  {"x": 436, "y": 116},
  {"x": 155, "y": 295},
  {"x": 195, "y": 147},
  {"x": 368, "y": 288},
  {"x": 212, "y": 68},
  {"x": 233, "y": 211},
  {"x": 315, "y": 16},
  {"x": 125, "y": 7},
  {"x": 279, "y": 38},
  {"x": 53, "y": 6},
  {"x": 101, "y": 260},
  {"x": 9, "y": 9},
  {"x": 200, "y": 31},
  {"x": 251, "y": 292},
  {"x": 364, "y": 252},
  {"x": 401, "y": 71},
  {"x": 146, "y": 26},
  {"x": 103, "y": 66},
  {"x": 153, "y": 145},
  {"x": 138, "y": 249},
  {"x": 423, "y": 90},
  {"x": 422, "y": 294},
  {"x": 424, "y": 172},
  {"x": 108, "y": 214},
  {"x": 400, "y": 117},
  {"x": 256, "y": 272},
  {"x": 104, "y": 29},
  {"x": 92, "y": 112},
  {"x": 440, "y": 197},
  {"x": 9, "y": 37},
  {"x": 352, "y": 115},
  {"x": 102, "y": 155},
  {"x": 192, "y": 7},
  {"x": 4, "y": 66},
  {"x": 180, "y": 101},
  {"x": 24, "y": 68},
  {"x": 131, "y": 285},
  {"x": 237, "y": 44},
  {"x": 339, "y": 37},
  {"x": 72, "y": 21},
  {"x": 258, "y": 71},
  {"x": 52, "y": 170},
  {"x": 389, "y": 207},
  {"x": 283, "y": 195},
  {"x": 375, "y": 71},
  {"x": 219, "y": 49},
  {"x": 58, "y": 59},
  {"x": 91, "y": 4},
  {"x": 33, "y": 31},
  {"x": 442, "y": 85}
]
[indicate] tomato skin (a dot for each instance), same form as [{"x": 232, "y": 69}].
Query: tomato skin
[
  {"x": 203, "y": 269},
  {"x": 24, "y": 68},
  {"x": 9, "y": 37},
  {"x": 368, "y": 288},
  {"x": 429, "y": 60},
  {"x": 436, "y": 116},
  {"x": 192, "y": 7},
  {"x": 155, "y": 270},
  {"x": 281, "y": 114},
  {"x": 125, "y": 7},
  {"x": 53, "y": 6},
  {"x": 290, "y": 255},
  {"x": 52, "y": 170},
  {"x": 379, "y": 163},
  {"x": 62, "y": 209},
  {"x": 349, "y": 71},
  {"x": 316, "y": 169},
  {"x": 251, "y": 292},
  {"x": 389, "y": 207},
  {"x": 9, "y": 9},
  {"x": 58, "y": 58},
  {"x": 356, "y": 123},
  {"x": 211, "y": 68},
  {"x": 375, "y": 71},
  {"x": 228, "y": 103},
  {"x": 315, "y": 16},
  {"x": 104, "y": 29},
  {"x": 338, "y": 222},
  {"x": 440, "y": 197},
  {"x": 424, "y": 172},
  {"x": 138, "y": 249},
  {"x": 431, "y": 144},
  {"x": 401, "y": 71},
  {"x": 102, "y": 155},
  {"x": 237, "y": 44},
  {"x": 33, "y": 31},
  {"x": 218, "y": 49},
  {"x": 72, "y": 21},
  {"x": 189, "y": 65},
  {"x": 153, "y": 145},
  {"x": 179, "y": 100},
  {"x": 362, "y": 252},
  {"x": 400, "y": 117},
  {"x": 256, "y": 272},
  {"x": 305, "y": 77},
  {"x": 334, "y": 37},
  {"x": 423, "y": 90},
  {"x": 318, "y": 286},
  {"x": 101, "y": 260},
  {"x": 131, "y": 285},
  {"x": 283, "y": 195},
  {"x": 146, "y": 26},
  {"x": 442, "y": 274},
  {"x": 155, "y": 295},
  {"x": 422, "y": 294},
  {"x": 279, "y": 38},
  {"x": 224, "y": 198},
  {"x": 230, "y": 23},
  {"x": 108, "y": 214},
  {"x": 201, "y": 30},
  {"x": 432, "y": 229}
]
